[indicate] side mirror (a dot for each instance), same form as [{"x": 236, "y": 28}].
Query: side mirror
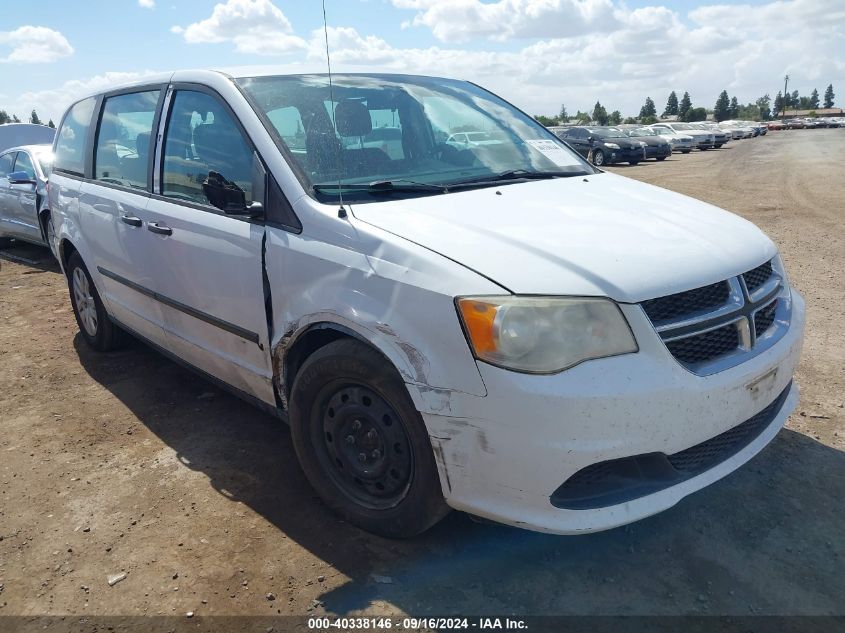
[
  {"x": 228, "y": 197},
  {"x": 20, "y": 178},
  {"x": 591, "y": 139}
]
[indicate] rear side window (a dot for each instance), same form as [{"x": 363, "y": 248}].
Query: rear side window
[
  {"x": 70, "y": 145},
  {"x": 123, "y": 139},
  {"x": 24, "y": 163},
  {"x": 6, "y": 161},
  {"x": 204, "y": 152}
]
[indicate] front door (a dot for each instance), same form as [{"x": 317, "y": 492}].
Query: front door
[{"x": 207, "y": 264}]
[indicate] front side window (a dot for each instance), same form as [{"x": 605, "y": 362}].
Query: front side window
[
  {"x": 24, "y": 163},
  {"x": 123, "y": 139},
  {"x": 70, "y": 144},
  {"x": 418, "y": 131},
  {"x": 207, "y": 160}
]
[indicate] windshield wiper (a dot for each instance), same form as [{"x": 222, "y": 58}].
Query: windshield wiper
[
  {"x": 382, "y": 186},
  {"x": 514, "y": 174}
]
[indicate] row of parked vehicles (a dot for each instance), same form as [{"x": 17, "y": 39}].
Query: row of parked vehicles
[
  {"x": 808, "y": 123},
  {"x": 607, "y": 145}
]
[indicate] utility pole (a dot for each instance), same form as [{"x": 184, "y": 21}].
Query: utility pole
[{"x": 785, "y": 96}]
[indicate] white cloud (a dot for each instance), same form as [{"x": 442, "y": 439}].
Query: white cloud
[
  {"x": 461, "y": 20},
  {"x": 35, "y": 44},
  {"x": 51, "y": 103},
  {"x": 147, "y": 4},
  {"x": 254, "y": 26}
]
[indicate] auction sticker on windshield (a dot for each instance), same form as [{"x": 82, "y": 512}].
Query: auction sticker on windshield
[{"x": 554, "y": 152}]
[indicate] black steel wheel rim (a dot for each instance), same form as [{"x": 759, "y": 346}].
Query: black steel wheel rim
[{"x": 363, "y": 445}]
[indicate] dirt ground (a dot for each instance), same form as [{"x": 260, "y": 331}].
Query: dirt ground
[{"x": 126, "y": 462}]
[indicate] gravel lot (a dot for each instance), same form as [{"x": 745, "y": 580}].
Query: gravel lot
[{"x": 126, "y": 462}]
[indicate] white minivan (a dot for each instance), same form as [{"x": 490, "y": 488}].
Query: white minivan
[{"x": 502, "y": 329}]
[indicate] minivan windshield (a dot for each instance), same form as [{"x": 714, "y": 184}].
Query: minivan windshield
[{"x": 368, "y": 136}]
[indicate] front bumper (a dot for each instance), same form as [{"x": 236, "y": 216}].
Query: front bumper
[
  {"x": 625, "y": 155},
  {"x": 705, "y": 144},
  {"x": 504, "y": 455}
]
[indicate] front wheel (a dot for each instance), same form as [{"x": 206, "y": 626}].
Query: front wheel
[
  {"x": 633, "y": 162},
  {"x": 686, "y": 151},
  {"x": 598, "y": 158},
  {"x": 94, "y": 323},
  {"x": 661, "y": 158},
  {"x": 362, "y": 443}
]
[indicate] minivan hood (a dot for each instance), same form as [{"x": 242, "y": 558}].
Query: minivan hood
[{"x": 597, "y": 235}]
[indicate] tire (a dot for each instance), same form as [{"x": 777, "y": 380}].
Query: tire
[
  {"x": 361, "y": 442},
  {"x": 686, "y": 151},
  {"x": 5, "y": 242},
  {"x": 94, "y": 323},
  {"x": 632, "y": 163},
  {"x": 661, "y": 157},
  {"x": 718, "y": 145},
  {"x": 599, "y": 159}
]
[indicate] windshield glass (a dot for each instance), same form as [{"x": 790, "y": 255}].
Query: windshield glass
[
  {"x": 683, "y": 126},
  {"x": 402, "y": 129},
  {"x": 643, "y": 131},
  {"x": 606, "y": 133}
]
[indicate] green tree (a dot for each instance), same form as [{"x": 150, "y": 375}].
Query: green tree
[
  {"x": 684, "y": 107},
  {"x": 722, "y": 109},
  {"x": 828, "y": 96},
  {"x": 582, "y": 117},
  {"x": 734, "y": 108},
  {"x": 794, "y": 99},
  {"x": 563, "y": 117},
  {"x": 778, "y": 104},
  {"x": 814, "y": 99},
  {"x": 33, "y": 118},
  {"x": 51, "y": 124},
  {"x": 648, "y": 111},
  {"x": 671, "y": 108},
  {"x": 15, "y": 119},
  {"x": 4, "y": 117},
  {"x": 544, "y": 120},
  {"x": 697, "y": 114},
  {"x": 764, "y": 106},
  {"x": 804, "y": 103},
  {"x": 600, "y": 114},
  {"x": 615, "y": 117},
  {"x": 630, "y": 121}
]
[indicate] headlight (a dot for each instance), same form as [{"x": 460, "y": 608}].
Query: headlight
[
  {"x": 543, "y": 334},
  {"x": 611, "y": 145}
]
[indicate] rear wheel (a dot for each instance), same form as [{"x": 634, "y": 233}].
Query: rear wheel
[
  {"x": 633, "y": 162},
  {"x": 94, "y": 323},
  {"x": 661, "y": 158},
  {"x": 686, "y": 151},
  {"x": 362, "y": 443}
]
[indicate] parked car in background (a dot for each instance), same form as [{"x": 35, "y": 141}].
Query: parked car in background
[
  {"x": 24, "y": 172},
  {"x": 776, "y": 125},
  {"x": 657, "y": 147},
  {"x": 703, "y": 139},
  {"x": 720, "y": 136},
  {"x": 604, "y": 146},
  {"x": 737, "y": 129},
  {"x": 471, "y": 139},
  {"x": 795, "y": 124},
  {"x": 683, "y": 143},
  {"x": 18, "y": 134}
]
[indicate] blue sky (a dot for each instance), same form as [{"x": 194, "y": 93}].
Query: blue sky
[{"x": 535, "y": 53}]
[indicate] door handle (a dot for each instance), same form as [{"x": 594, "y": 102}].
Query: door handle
[
  {"x": 131, "y": 220},
  {"x": 155, "y": 227}
]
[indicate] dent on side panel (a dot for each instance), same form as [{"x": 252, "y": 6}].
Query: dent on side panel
[{"x": 332, "y": 276}]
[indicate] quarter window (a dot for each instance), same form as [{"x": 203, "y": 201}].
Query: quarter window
[
  {"x": 24, "y": 163},
  {"x": 123, "y": 139},
  {"x": 6, "y": 161},
  {"x": 206, "y": 158},
  {"x": 70, "y": 148}
]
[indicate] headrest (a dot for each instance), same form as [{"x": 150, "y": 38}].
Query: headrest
[
  {"x": 352, "y": 118},
  {"x": 142, "y": 144}
]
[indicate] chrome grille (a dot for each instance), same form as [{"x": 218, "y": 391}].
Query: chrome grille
[
  {"x": 758, "y": 276},
  {"x": 705, "y": 346},
  {"x": 704, "y": 298},
  {"x": 713, "y": 327}
]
